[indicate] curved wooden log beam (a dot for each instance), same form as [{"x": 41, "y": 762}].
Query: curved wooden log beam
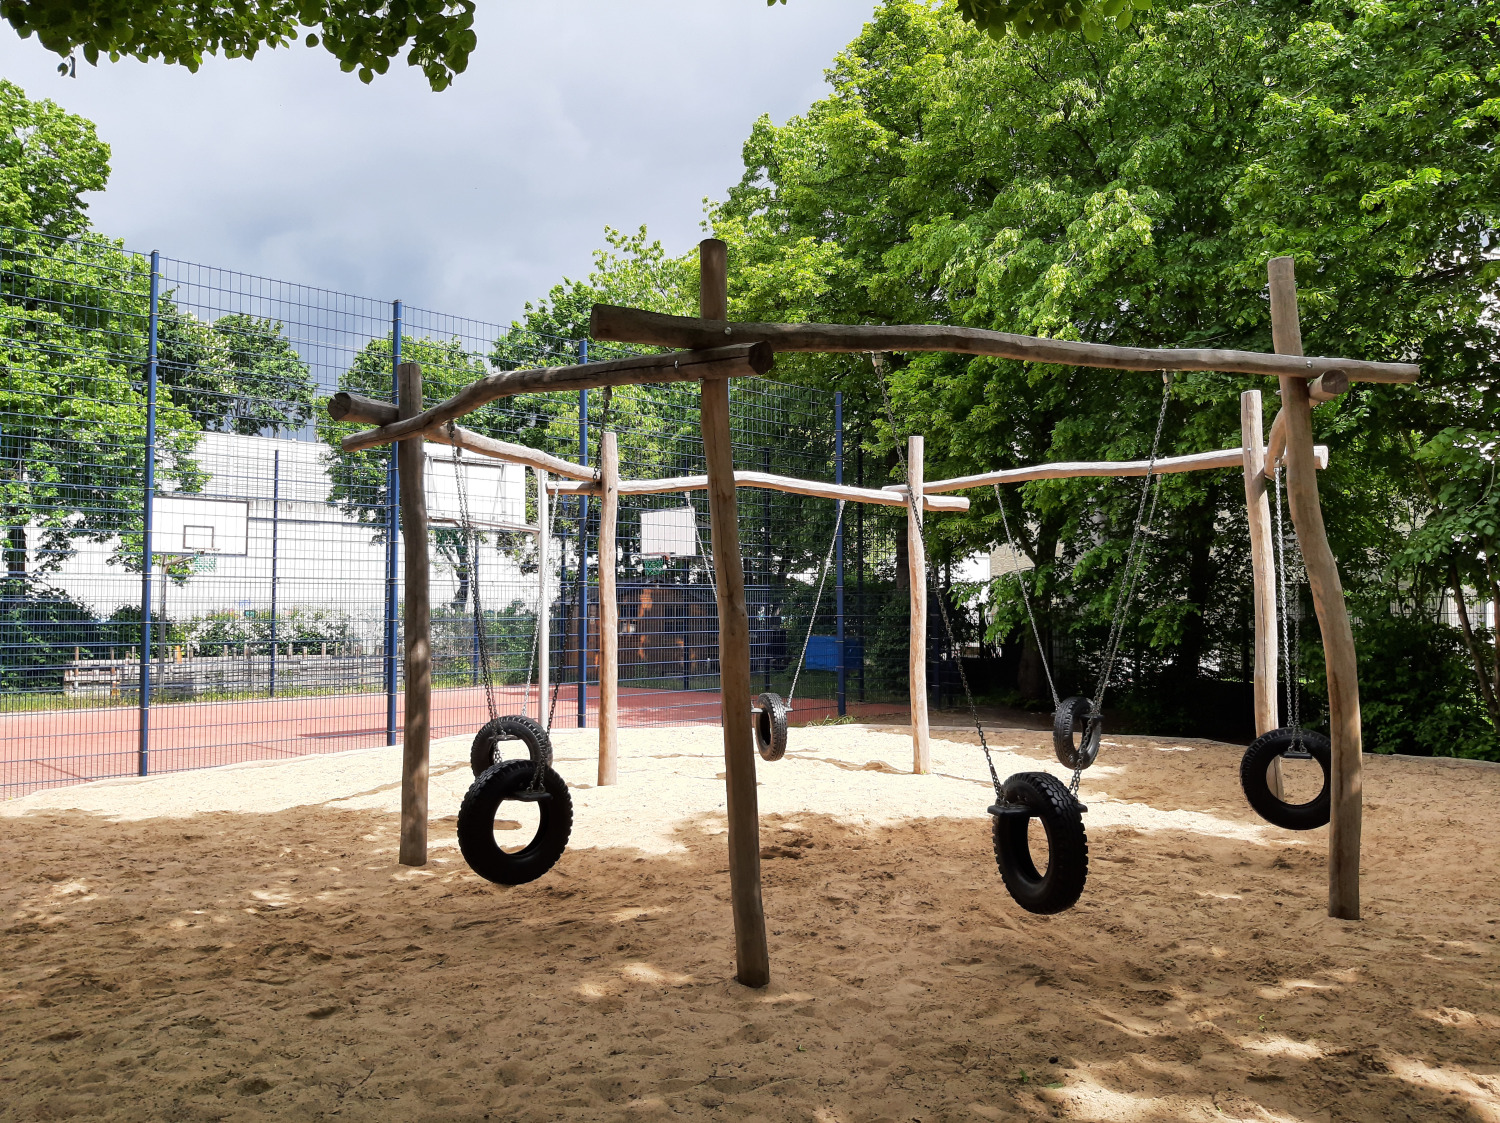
[
  {"x": 733, "y": 361},
  {"x": 885, "y": 497},
  {"x": 630, "y": 325},
  {"x": 470, "y": 441},
  {"x": 1276, "y": 444},
  {"x": 1067, "y": 470}
]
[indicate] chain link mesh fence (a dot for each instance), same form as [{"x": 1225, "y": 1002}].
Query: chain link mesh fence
[{"x": 263, "y": 619}]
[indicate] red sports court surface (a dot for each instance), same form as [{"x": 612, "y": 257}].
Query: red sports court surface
[{"x": 53, "y": 747}]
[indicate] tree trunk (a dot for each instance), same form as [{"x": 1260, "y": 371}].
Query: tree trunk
[
  {"x": 1472, "y": 642},
  {"x": 1031, "y": 678},
  {"x": 15, "y": 553}
]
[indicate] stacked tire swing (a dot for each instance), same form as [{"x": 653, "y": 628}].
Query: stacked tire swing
[
  {"x": 496, "y": 779},
  {"x": 1260, "y": 769}
]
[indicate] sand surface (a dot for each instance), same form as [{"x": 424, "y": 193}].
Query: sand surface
[{"x": 238, "y": 942}]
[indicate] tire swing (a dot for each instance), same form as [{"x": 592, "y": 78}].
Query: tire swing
[
  {"x": 1289, "y": 742},
  {"x": 1077, "y": 733},
  {"x": 770, "y": 711},
  {"x": 487, "y": 749},
  {"x": 1026, "y": 795},
  {"x": 479, "y": 817}
]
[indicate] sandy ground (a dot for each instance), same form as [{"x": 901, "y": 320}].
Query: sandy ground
[{"x": 238, "y": 942}]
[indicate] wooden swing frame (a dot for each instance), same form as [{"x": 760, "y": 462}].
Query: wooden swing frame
[{"x": 716, "y": 350}]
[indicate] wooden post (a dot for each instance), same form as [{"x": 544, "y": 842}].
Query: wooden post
[
  {"x": 916, "y": 567},
  {"x": 417, "y": 623},
  {"x": 752, "y": 956},
  {"x": 1262, "y": 570},
  {"x": 1328, "y": 601},
  {"x": 609, "y": 614},
  {"x": 544, "y": 599}
]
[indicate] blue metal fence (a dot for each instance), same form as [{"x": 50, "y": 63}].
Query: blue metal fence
[{"x": 136, "y": 387}]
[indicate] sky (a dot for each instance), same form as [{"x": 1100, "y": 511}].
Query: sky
[{"x": 572, "y": 115}]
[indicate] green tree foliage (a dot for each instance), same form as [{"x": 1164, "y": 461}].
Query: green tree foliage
[
  {"x": 72, "y": 403},
  {"x": 73, "y": 325},
  {"x": 48, "y": 159},
  {"x": 1131, "y": 191},
  {"x": 631, "y": 271},
  {"x": 437, "y": 35},
  {"x": 238, "y": 374}
]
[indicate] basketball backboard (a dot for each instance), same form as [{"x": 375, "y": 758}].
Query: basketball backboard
[{"x": 189, "y": 525}]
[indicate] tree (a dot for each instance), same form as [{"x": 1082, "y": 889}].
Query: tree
[
  {"x": 437, "y": 35},
  {"x": 1130, "y": 191},
  {"x": 48, "y": 159},
  {"x": 238, "y": 374},
  {"x": 72, "y": 349}
]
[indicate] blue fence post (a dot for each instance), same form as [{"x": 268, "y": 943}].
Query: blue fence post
[
  {"x": 838, "y": 577},
  {"x": 143, "y": 753},
  {"x": 583, "y": 551},
  {"x": 393, "y": 497},
  {"x": 275, "y": 544}
]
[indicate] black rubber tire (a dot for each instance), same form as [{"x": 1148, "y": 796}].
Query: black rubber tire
[
  {"x": 486, "y": 752},
  {"x": 476, "y": 824},
  {"x": 1072, "y": 718},
  {"x": 1255, "y": 767},
  {"x": 1067, "y": 843},
  {"x": 770, "y": 726}
]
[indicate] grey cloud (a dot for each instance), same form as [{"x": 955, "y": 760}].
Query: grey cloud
[{"x": 571, "y": 115}]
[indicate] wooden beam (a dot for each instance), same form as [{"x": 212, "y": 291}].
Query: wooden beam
[
  {"x": 752, "y": 955},
  {"x": 609, "y": 614},
  {"x": 723, "y": 361},
  {"x": 1276, "y": 444},
  {"x": 916, "y": 653},
  {"x": 543, "y": 601},
  {"x": 357, "y": 409},
  {"x": 893, "y": 497},
  {"x": 417, "y": 624},
  {"x": 1329, "y": 386},
  {"x": 1066, "y": 470},
  {"x": 1328, "y": 600},
  {"x": 1262, "y": 573},
  {"x": 469, "y": 441},
  {"x": 630, "y": 325}
]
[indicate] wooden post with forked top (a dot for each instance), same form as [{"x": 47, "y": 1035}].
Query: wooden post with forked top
[
  {"x": 752, "y": 956},
  {"x": 416, "y": 624},
  {"x": 1328, "y": 600},
  {"x": 1262, "y": 573},
  {"x": 609, "y": 613}
]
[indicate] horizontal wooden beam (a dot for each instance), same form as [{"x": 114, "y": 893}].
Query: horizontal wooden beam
[
  {"x": 770, "y": 482},
  {"x": 470, "y": 441},
  {"x": 360, "y": 410},
  {"x": 485, "y": 524},
  {"x": 630, "y": 325},
  {"x": 1065, "y": 470},
  {"x": 732, "y": 361}
]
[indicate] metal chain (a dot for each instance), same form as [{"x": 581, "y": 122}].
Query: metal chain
[
  {"x": 916, "y": 507},
  {"x": 1291, "y": 647},
  {"x": 1026, "y": 600},
  {"x": 471, "y": 543},
  {"x": 812, "y": 620},
  {"x": 609, "y": 397},
  {"x": 1134, "y": 555},
  {"x": 543, "y": 584}
]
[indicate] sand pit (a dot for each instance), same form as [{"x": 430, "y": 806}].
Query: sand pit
[{"x": 239, "y": 942}]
